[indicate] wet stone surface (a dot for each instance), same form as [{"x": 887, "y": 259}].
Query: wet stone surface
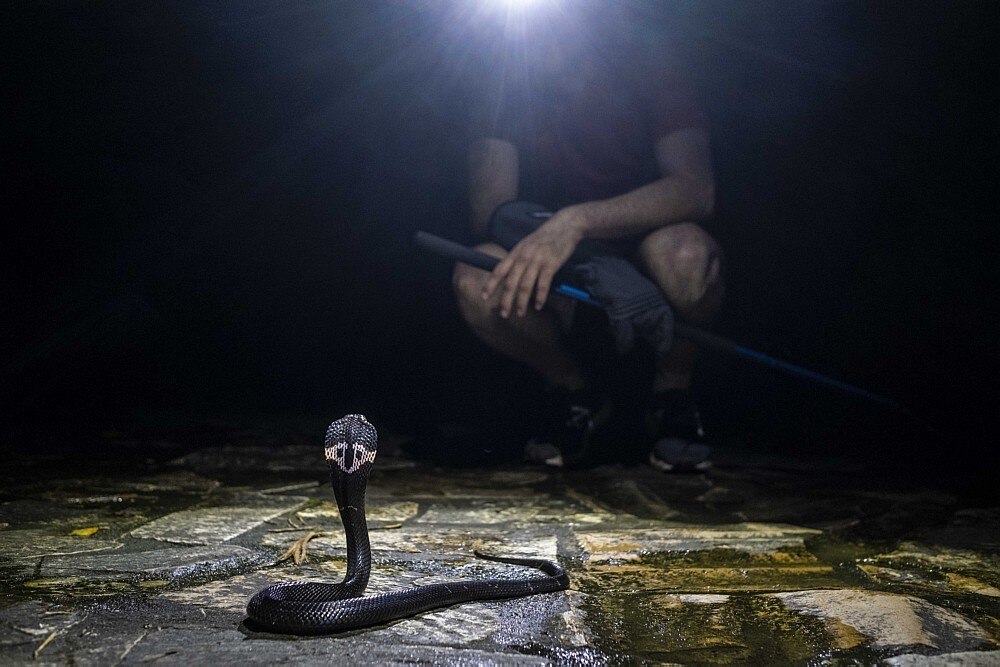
[
  {"x": 215, "y": 525},
  {"x": 152, "y": 560}
]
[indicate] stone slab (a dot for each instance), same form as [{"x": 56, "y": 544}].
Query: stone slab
[
  {"x": 737, "y": 578},
  {"x": 31, "y": 622},
  {"x": 962, "y": 659},
  {"x": 214, "y": 525},
  {"x": 890, "y": 620},
  {"x": 532, "y": 621},
  {"x": 549, "y": 619},
  {"x": 178, "y": 480},
  {"x": 951, "y": 582},
  {"x": 171, "y": 646},
  {"x": 431, "y": 541},
  {"x": 232, "y": 594},
  {"x": 168, "y": 563},
  {"x": 746, "y": 538},
  {"x": 489, "y": 512},
  {"x": 243, "y": 458},
  {"x": 935, "y": 557},
  {"x": 455, "y": 485},
  {"x": 27, "y": 544},
  {"x": 376, "y": 509}
]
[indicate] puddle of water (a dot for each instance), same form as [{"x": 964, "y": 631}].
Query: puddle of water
[{"x": 734, "y": 629}]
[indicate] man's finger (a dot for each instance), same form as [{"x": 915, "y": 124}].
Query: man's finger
[
  {"x": 499, "y": 273},
  {"x": 526, "y": 287},
  {"x": 510, "y": 287},
  {"x": 544, "y": 284}
]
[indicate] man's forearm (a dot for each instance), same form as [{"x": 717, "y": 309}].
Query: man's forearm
[{"x": 667, "y": 201}]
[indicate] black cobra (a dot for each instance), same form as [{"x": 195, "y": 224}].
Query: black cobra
[{"x": 315, "y": 608}]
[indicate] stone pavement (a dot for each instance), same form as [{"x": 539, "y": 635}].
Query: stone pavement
[{"x": 147, "y": 552}]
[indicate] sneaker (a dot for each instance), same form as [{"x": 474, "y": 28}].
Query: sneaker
[
  {"x": 678, "y": 435},
  {"x": 574, "y": 419}
]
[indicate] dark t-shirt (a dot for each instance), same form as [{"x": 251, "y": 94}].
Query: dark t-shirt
[{"x": 591, "y": 141}]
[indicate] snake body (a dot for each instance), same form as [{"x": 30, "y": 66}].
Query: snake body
[{"x": 317, "y": 608}]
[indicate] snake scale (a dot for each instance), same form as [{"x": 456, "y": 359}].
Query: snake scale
[{"x": 318, "y": 608}]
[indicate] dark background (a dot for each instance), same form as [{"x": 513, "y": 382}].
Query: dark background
[{"x": 208, "y": 209}]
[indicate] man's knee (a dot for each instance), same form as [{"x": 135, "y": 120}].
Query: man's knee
[
  {"x": 685, "y": 260},
  {"x": 468, "y": 283},
  {"x": 685, "y": 248}
]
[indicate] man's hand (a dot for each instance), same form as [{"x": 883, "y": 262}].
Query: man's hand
[{"x": 533, "y": 262}]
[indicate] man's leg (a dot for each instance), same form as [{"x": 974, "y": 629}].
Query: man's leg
[
  {"x": 686, "y": 263},
  {"x": 533, "y": 340},
  {"x": 574, "y": 410}
]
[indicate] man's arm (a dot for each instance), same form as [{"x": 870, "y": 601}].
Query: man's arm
[
  {"x": 492, "y": 179},
  {"x": 686, "y": 192}
]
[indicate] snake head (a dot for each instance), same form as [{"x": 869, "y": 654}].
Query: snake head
[{"x": 351, "y": 443}]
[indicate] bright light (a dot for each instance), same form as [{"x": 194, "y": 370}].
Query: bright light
[
  {"x": 518, "y": 6},
  {"x": 524, "y": 14}
]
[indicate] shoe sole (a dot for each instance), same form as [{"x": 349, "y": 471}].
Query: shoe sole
[{"x": 663, "y": 466}]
